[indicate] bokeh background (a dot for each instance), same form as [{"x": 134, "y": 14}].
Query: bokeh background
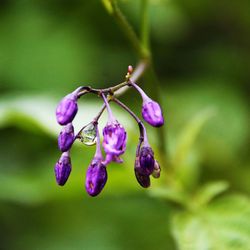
[{"x": 201, "y": 51}]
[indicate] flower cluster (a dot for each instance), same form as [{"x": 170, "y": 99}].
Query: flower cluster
[{"x": 114, "y": 138}]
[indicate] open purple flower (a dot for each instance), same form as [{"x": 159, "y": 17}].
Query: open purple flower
[
  {"x": 67, "y": 108},
  {"x": 114, "y": 141},
  {"x": 66, "y": 138},
  {"x": 151, "y": 110},
  {"x": 63, "y": 169},
  {"x": 96, "y": 176},
  {"x": 114, "y": 138}
]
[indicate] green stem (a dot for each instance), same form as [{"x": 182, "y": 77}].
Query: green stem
[
  {"x": 143, "y": 50},
  {"x": 144, "y": 24},
  {"x": 128, "y": 30}
]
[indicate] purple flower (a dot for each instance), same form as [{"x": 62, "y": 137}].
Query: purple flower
[
  {"x": 143, "y": 180},
  {"x": 151, "y": 110},
  {"x": 151, "y": 113},
  {"x": 96, "y": 177},
  {"x": 63, "y": 169},
  {"x": 114, "y": 137},
  {"x": 114, "y": 141},
  {"x": 67, "y": 108},
  {"x": 157, "y": 170},
  {"x": 147, "y": 161},
  {"x": 66, "y": 137}
]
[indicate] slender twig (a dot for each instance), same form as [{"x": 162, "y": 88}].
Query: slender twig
[
  {"x": 144, "y": 25},
  {"x": 118, "y": 89},
  {"x": 128, "y": 30}
]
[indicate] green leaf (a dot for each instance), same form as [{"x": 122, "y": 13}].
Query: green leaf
[
  {"x": 184, "y": 158},
  {"x": 209, "y": 191},
  {"x": 169, "y": 193},
  {"x": 222, "y": 225},
  {"x": 189, "y": 134}
]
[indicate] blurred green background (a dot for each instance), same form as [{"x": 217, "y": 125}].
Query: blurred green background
[{"x": 201, "y": 51}]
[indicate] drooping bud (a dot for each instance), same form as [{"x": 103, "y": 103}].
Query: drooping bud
[
  {"x": 67, "y": 108},
  {"x": 147, "y": 161},
  {"x": 143, "y": 180},
  {"x": 96, "y": 177},
  {"x": 63, "y": 169},
  {"x": 114, "y": 141},
  {"x": 66, "y": 138},
  {"x": 157, "y": 170},
  {"x": 151, "y": 110},
  {"x": 151, "y": 113}
]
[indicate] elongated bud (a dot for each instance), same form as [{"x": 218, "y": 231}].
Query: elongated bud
[
  {"x": 67, "y": 108},
  {"x": 143, "y": 180},
  {"x": 152, "y": 114},
  {"x": 151, "y": 110},
  {"x": 96, "y": 177},
  {"x": 66, "y": 138},
  {"x": 157, "y": 170},
  {"x": 147, "y": 160},
  {"x": 63, "y": 169}
]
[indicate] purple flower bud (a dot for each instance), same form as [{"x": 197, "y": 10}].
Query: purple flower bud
[
  {"x": 143, "y": 180},
  {"x": 67, "y": 109},
  {"x": 147, "y": 161},
  {"x": 157, "y": 170},
  {"x": 151, "y": 113},
  {"x": 151, "y": 110},
  {"x": 114, "y": 141},
  {"x": 96, "y": 177},
  {"x": 66, "y": 137},
  {"x": 63, "y": 169}
]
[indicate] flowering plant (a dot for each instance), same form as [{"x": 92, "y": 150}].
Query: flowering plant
[{"x": 114, "y": 137}]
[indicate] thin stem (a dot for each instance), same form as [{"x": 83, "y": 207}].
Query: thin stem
[
  {"x": 144, "y": 24},
  {"x": 95, "y": 120},
  {"x": 142, "y": 93},
  {"x": 143, "y": 133},
  {"x": 128, "y": 30},
  {"x": 98, "y": 153},
  {"x": 137, "y": 73},
  {"x": 110, "y": 114},
  {"x": 118, "y": 89}
]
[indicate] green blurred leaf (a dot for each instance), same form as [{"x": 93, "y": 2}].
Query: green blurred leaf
[
  {"x": 210, "y": 190},
  {"x": 222, "y": 225},
  {"x": 170, "y": 194},
  {"x": 189, "y": 134},
  {"x": 184, "y": 159}
]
